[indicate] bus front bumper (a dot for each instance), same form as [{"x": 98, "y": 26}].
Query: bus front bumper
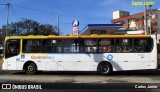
[{"x": 4, "y": 66}]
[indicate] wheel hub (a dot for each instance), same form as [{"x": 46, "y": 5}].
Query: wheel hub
[
  {"x": 30, "y": 68},
  {"x": 105, "y": 69}
]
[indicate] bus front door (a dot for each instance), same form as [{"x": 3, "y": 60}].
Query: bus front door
[{"x": 12, "y": 50}]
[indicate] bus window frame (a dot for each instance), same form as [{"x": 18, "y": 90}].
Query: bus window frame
[
  {"x": 11, "y": 54},
  {"x": 41, "y": 40},
  {"x": 59, "y": 45},
  {"x": 81, "y": 45},
  {"x": 111, "y": 46},
  {"x": 151, "y": 44}
]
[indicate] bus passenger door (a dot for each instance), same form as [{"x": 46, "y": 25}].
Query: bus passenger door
[{"x": 12, "y": 50}]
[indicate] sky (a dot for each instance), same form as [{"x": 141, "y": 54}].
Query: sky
[{"x": 85, "y": 11}]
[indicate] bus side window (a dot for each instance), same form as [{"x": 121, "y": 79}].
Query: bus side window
[
  {"x": 118, "y": 45},
  {"x": 12, "y": 48},
  {"x": 70, "y": 45},
  {"x": 106, "y": 45},
  {"x": 123, "y": 45},
  {"x": 52, "y": 45},
  {"x": 32, "y": 45},
  {"x": 143, "y": 45},
  {"x": 90, "y": 45},
  {"x": 127, "y": 45}
]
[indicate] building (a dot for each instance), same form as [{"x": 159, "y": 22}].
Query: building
[
  {"x": 100, "y": 29},
  {"x": 120, "y": 14},
  {"x": 136, "y": 21}
]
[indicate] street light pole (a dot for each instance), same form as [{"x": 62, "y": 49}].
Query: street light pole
[
  {"x": 57, "y": 17},
  {"x": 58, "y": 24}
]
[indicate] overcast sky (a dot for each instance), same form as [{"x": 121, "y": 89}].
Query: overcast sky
[{"x": 86, "y": 11}]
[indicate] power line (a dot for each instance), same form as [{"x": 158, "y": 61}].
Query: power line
[
  {"x": 87, "y": 18},
  {"x": 48, "y": 12},
  {"x": 34, "y": 9},
  {"x": 14, "y": 13},
  {"x": 2, "y": 4}
]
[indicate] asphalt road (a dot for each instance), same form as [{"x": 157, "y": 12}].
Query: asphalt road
[
  {"x": 146, "y": 76},
  {"x": 86, "y": 81}
]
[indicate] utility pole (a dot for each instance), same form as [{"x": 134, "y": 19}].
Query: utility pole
[
  {"x": 150, "y": 18},
  {"x": 7, "y": 15},
  {"x": 145, "y": 18}
]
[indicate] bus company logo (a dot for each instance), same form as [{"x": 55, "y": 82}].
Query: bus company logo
[
  {"x": 42, "y": 57},
  {"x": 6, "y": 86},
  {"x": 110, "y": 57}
]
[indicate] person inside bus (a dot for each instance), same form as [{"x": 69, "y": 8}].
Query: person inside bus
[
  {"x": 140, "y": 45},
  {"x": 127, "y": 48},
  {"x": 13, "y": 49},
  {"x": 118, "y": 49},
  {"x": 106, "y": 48},
  {"x": 91, "y": 49}
]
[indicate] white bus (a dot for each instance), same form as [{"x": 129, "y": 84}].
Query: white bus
[{"x": 103, "y": 54}]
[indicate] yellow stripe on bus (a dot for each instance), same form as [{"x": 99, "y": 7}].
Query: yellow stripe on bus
[{"x": 76, "y": 37}]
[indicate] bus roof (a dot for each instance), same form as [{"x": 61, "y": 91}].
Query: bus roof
[{"x": 76, "y": 37}]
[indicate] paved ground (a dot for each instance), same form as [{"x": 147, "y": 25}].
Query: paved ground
[
  {"x": 151, "y": 76},
  {"x": 86, "y": 80}
]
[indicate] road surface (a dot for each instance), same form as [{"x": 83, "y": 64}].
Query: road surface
[
  {"x": 86, "y": 81},
  {"x": 82, "y": 81}
]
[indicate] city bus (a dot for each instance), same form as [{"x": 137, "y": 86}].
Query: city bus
[{"x": 100, "y": 53}]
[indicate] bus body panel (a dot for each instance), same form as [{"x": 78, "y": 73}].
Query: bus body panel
[
  {"x": 84, "y": 61},
  {"x": 11, "y": 63},
  {"x": 134, "y": 61},
  {"x": 61, "y": 62}
]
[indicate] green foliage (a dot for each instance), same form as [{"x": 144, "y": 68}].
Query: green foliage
[{"x": 30, "y": 27}]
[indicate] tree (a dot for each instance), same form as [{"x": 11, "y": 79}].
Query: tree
[{"x": 30, "y": 27}]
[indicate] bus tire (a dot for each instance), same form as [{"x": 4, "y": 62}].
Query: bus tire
[
  {"x": 31, "y": 69},
  {"x": 104, "y": 68}
]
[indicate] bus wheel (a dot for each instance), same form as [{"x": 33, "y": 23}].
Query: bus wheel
[
  {"x": 104, "y": 68},
  {"x": 31, "y": 69}
]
